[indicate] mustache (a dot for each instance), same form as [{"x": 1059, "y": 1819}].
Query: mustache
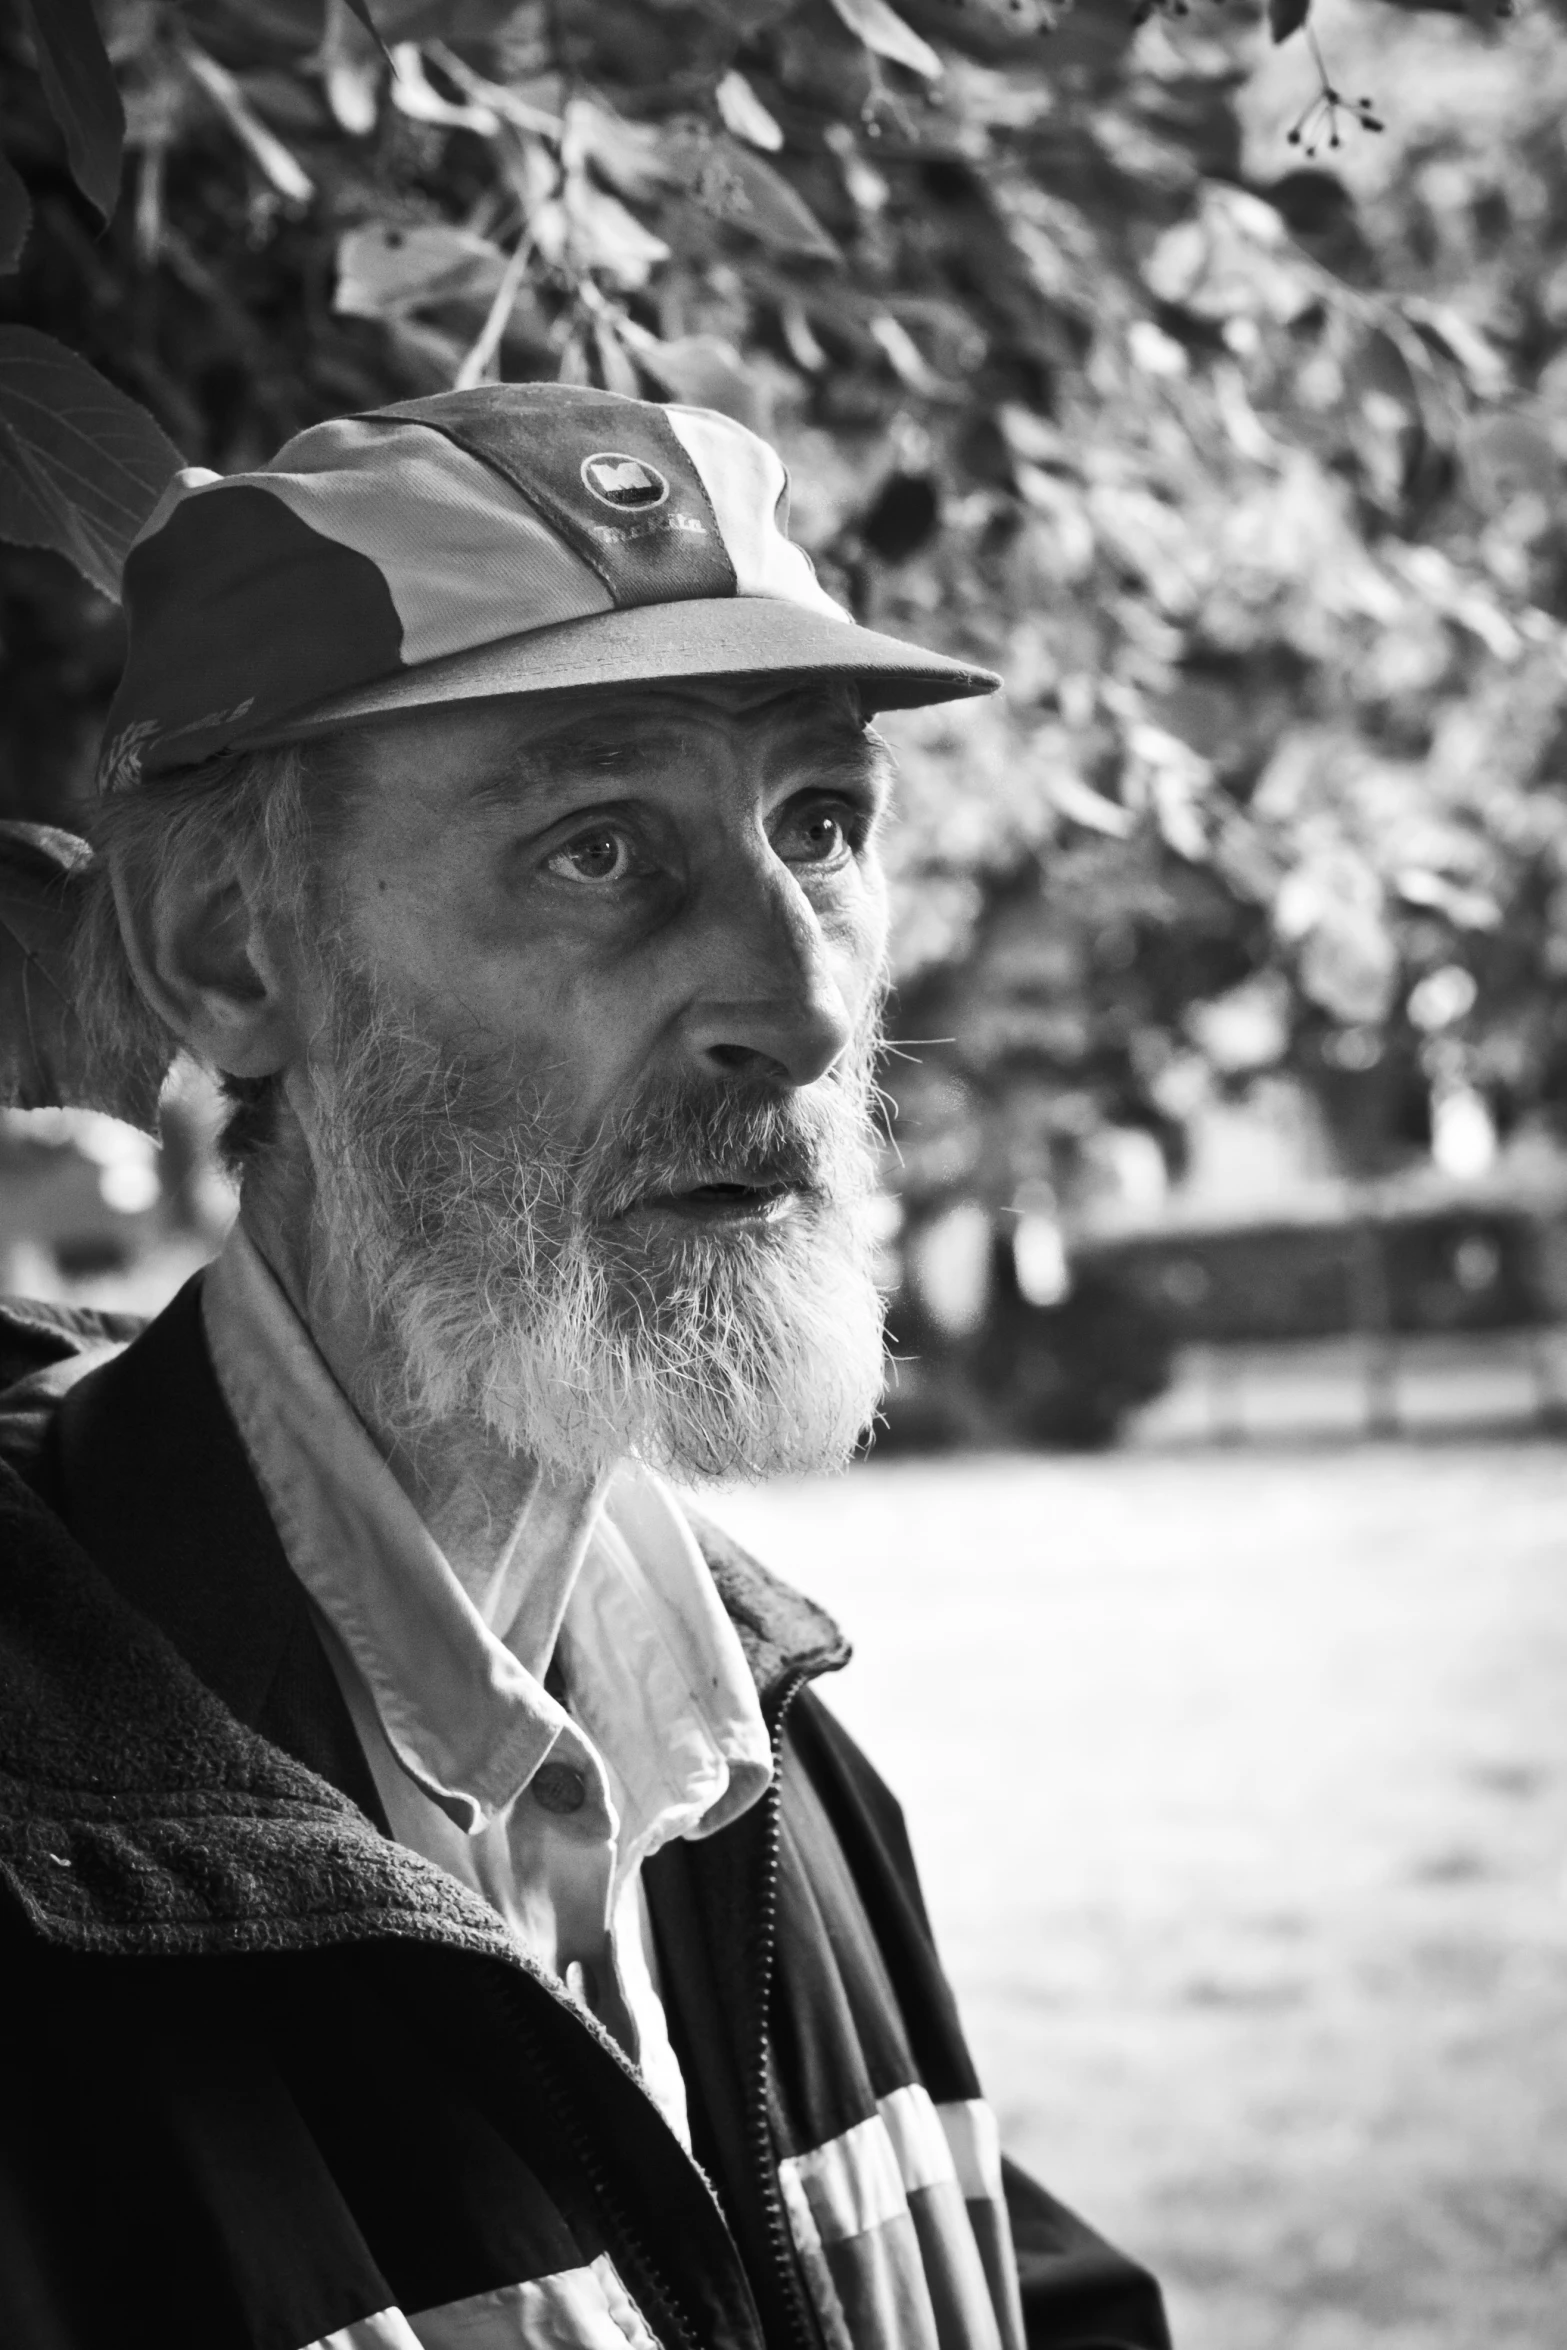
[{"x": 816, "y": 1141}]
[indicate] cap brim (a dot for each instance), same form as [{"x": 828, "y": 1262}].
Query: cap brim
[{"x": 658, "y": 644}]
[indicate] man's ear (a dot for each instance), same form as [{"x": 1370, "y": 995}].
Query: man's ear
[{"x": 212, "y": 966}]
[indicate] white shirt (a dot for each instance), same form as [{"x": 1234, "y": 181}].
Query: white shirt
[{"x": 548, "y": 1814}]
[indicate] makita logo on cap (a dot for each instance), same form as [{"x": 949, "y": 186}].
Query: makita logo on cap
[{"x": 628, "y": 484}]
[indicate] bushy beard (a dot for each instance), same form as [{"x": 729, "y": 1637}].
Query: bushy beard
[{"x": 509, "y": 1293}]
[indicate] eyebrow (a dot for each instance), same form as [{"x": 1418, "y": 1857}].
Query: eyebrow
[
  {"x": 851, "y": 756},
  {"x": 861, "y": 761}
]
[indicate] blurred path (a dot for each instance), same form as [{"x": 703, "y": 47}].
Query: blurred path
[{"x": 1240, "y": 1785}]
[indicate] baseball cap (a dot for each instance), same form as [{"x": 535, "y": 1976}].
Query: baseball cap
[{"x": 509, "y": 539}]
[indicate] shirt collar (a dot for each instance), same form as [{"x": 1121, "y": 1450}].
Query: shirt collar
[{"x": 659, "y": 1682}]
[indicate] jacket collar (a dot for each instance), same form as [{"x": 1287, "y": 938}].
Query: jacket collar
[{"x": 153, "y": 1482}]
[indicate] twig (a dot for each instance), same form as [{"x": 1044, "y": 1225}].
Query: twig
[
  {"x": 1322, "y": 115},
  {"x": 476, "y": 365}
]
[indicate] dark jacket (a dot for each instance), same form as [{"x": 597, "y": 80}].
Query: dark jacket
[{"x": 273, "y": 2081}]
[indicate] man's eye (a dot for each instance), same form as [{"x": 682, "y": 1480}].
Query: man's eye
[
  {"x": 821, "y": 836},
  {"x": 604, "y": 854}
]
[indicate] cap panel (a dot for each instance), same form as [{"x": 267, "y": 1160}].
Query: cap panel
[
  {"x": 605, "y": 471},
  {"x": 749, "y": 489},
  {"x": 237, "y": 607},
  {"x": 465, "y": 558}
]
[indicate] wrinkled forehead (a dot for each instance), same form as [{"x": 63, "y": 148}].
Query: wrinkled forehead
[{"x": 613, "y": 729}]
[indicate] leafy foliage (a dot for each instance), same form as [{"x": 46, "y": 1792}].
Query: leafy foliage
[
  {"x": 1260, "y": 525},
  {"x": 79, "y": 83},
  {"x": 81, "y": 465}
]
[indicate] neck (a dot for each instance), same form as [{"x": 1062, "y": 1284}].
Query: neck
[{"x": 512, "y": 1532}]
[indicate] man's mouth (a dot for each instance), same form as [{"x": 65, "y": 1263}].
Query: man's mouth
[{"x": 721, "y": 1202}]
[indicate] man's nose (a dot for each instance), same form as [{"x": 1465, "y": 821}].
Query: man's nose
[{"x": 771, "y": 1004}]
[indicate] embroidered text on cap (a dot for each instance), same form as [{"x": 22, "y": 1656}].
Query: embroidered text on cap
[{"x": 629, "y": 484}]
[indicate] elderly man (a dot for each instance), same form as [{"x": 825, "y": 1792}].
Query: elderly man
[{"x": 437, "y": 1908}]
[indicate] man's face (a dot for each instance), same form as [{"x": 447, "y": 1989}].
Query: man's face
[
  {"x": 588, "y": 1100},
  {"x": 628, "y": 887}
]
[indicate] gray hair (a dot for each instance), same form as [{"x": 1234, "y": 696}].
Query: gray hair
[{"x": 202, "y": 821}]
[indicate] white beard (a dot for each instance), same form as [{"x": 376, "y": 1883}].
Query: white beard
[{"x": 506, "y": 1294}]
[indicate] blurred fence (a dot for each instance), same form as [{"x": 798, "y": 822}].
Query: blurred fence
[
  {"x": 1374, "y": 1308},
  {"x": 1384, "y": 1314}
]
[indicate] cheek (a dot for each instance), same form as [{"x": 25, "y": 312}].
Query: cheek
[
  {"x": 605, "y": 1031},
  {"x": 407, "y": 912},
  {"x": 429, "y": 922},
  {"x": 860, "y": 939},
  {"x": 573, "y": 1041}
]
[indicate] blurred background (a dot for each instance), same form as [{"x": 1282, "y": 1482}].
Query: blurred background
[{"x": 1206, "y": 372}]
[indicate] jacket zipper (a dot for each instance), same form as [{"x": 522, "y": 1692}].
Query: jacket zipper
[
  {"x": 759, "y": 2120},
  {"x": 802, "y": 2331},
  {"x": 663, "y": 2307}
]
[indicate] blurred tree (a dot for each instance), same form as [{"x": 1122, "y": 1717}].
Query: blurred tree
[{"x": 1250, "y": 490}]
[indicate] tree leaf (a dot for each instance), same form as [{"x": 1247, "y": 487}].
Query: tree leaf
[
  {"x": 494, "y": 97},
  {"x": 81, "y": 466},
  {"x": 740, "y": 188},
  {"x": 1449, "y": 332},
  {"x": 706, "y": 372},
  {"x": 350, "y": 68},
  {"x": 414, "y": 94},
  {"x": 882, "y": 29},
  {"x": 803, "y": 347},
  {"x": 1286, "y": 17},
  {"x": 500, "y": 315},
  {"x": 430, "y": 21},
  {"x": 359, "y": 9},
  {"x": 386, "y": 269},
  {"x": 1000, "y": 28},
  {"x": 1506, "y": 456},
  {"x": 78, "y": 81},
  {"x": 635, "y": 158},
  {"x": 281, "y": 166},
  {"x": 616, "y": 372},
  {"x": 601, "y": 235},
  {"x": 744, "y": 114},
  {"x": 44, "y": 1058},
  {"x": 16, "y": 214},
  {"x": 907, "y": 360}
]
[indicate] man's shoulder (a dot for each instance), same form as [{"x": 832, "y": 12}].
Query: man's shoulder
[
  {"x": 36, "y": 1334},
  {"x": 45, "y": 1348}
]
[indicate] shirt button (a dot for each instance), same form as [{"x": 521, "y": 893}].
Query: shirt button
[{"x": 557, "y": 1787}]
